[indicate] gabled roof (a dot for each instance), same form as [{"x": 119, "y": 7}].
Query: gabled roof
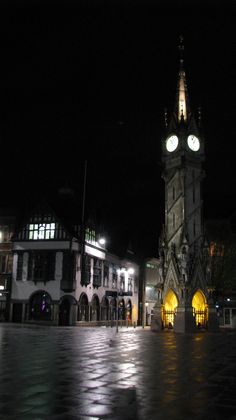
[{"x": 63, "y": 207}]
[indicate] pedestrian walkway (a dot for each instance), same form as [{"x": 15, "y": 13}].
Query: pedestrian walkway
[{"x": 69, "y": 373}]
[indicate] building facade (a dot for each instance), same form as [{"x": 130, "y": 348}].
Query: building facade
[
  {"x": 221, "y": 234},
  {"x": 7, "y": 226},
  {"x": 62, "y": 278},
  {"x": 183, "y": 298},
  {"x": 151, "y": 280}
]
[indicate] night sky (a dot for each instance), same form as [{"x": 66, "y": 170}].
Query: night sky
[{"x": 90, "y": 80}]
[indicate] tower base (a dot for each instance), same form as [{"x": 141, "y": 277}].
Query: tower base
[
  {"x": 156, "y": 321},
  {"x": 213, "y": 323},
  {"x": 184, "y": 320}
]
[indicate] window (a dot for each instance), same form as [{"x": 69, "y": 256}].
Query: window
[
  {"x": 130, "y": 287},
  {"x": 97, "y": 272},
  {"x": 3, "y": 263},
  {"x": 122, "y": 281},
  {"x": 41, "y": 231},
  {"x": 114, "y": 277},
  {"x": 152, "y": 266},
  {"x": 4, "y": 234},
  {"x": 86, "y": 270},
  {"x": 90, "y": 235},
  {"x": 216, "y": 249},
  {"x": 41, "y": 266},
  {"x": 106, "y": 275}
]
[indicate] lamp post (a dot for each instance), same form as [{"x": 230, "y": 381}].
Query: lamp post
[
  {"x": 117, "y": 312},
  {"x": 146, "y": 312},
  {"x": 83, "y": 226}
]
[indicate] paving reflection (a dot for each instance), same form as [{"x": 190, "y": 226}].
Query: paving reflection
[{"x": 81, "y": 373}]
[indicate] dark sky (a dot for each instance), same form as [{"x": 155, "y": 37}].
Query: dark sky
[{"x": 90, "y": 80}]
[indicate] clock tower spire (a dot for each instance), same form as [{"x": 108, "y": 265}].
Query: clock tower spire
[
  {"x": 182, "y": 296},
  {"x": 182, "y": 108}
]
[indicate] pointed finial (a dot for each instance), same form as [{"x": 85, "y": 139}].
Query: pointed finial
[
  {"x": 199, "y": 115},
  {"x": 182, "y": 96},
  {"x": 181, "y": 48},
  {"x": 165, "y": 116}
]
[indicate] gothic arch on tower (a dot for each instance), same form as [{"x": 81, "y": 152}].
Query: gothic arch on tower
[
  {"x": 170, "y": 305},
  {"x": 200, "y": 308}
]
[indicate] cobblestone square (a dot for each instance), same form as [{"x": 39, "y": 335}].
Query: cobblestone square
[{"x": 70, "y": 373}]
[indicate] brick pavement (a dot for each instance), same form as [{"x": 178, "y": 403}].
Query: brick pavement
[{"x": 69, "y": 373}]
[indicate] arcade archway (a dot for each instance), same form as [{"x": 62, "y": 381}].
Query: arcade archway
[
  {"x": 95, "y": 308},
  {"x": 170, "y": 308},
  {"x": 104, "y": 309},
  {"x": 40, "y": 305},
  {"x": 199, "y": 305},
  {"x": 83, "y": 308}
]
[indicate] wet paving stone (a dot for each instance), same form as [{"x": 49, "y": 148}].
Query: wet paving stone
[{"x": 94, "y": 373}]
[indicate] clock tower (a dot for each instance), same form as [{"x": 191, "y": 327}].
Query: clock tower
[{"x": 183, "y": 297}]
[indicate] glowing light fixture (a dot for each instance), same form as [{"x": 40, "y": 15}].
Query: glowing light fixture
[{"x": 102, "y": 241}]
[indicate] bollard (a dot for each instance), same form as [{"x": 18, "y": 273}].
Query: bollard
[{"x": 134, "y": 324}]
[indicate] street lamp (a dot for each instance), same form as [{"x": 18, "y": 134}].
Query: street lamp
[
  {"x": 146, "y": 305},
  {"x": 82, "y": 231},
  {"x": 117, "y": 312},
  {"x": 102, "y": 241}
]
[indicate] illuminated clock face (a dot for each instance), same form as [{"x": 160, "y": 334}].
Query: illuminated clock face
[
  {"x": 193, "y": 143},
  {"x": 172, "y": 143}
]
